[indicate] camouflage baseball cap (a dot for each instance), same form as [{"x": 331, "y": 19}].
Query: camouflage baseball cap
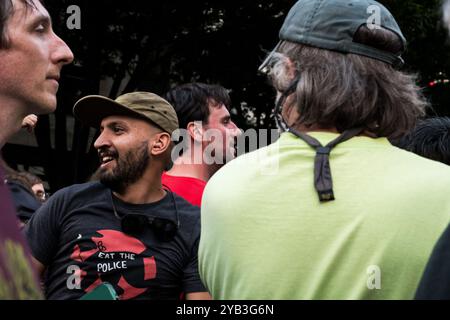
[{"x": 91, "y": 110}]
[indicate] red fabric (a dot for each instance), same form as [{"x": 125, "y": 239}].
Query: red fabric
[{"x": 191, "y": 189}]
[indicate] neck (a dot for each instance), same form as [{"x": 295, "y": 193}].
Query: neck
[
  {"x": 10, "y": 119},
  {"x": 192, "y": 165},
  {"x": 290, "y": 115},
  {"x": 148, "y": 189}
]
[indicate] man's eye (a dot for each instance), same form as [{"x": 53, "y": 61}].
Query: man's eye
[
  {"x": 117, "y": 129},
  {"x": 40, "y": 28}
]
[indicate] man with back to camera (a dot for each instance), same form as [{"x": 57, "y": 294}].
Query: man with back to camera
[
  {"x": 203, "y": 112},
  {"x": 124, "y": 229},
  {"x": 342, "y": 214},
  {"x": 31, "y": 58}
]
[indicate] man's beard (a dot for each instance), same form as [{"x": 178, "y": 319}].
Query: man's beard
[{"x": 129, "y": 168}]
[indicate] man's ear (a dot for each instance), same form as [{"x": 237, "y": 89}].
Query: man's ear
[
  {"x": 161, "y": 143},
  {"x": 195, "y": 130}
]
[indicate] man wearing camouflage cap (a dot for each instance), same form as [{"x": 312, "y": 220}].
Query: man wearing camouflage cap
[
  {"x": 125, "y": 229},
  {"x": 331, "y": 210}
]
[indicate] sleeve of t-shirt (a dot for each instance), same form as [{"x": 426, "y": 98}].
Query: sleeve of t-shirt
[
  {"x": 191, "y": 276},
  {"x": 43, "y": 230},
  {"x": 435, "y": 283}
]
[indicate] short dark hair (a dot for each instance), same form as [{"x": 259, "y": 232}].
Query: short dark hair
[
  {"x": 6, "y": 11},
  {"x": 191, "y": 101},
  {"x": 349, "y": 90},
  {"x": 24, "y": 178},
  {"x": 429, "y": 139}
]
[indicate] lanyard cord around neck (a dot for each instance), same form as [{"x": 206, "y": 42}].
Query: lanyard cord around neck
[{"x": 323, "y": 181}]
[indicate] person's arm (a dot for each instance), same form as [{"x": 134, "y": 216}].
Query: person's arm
[
  {"x": 192, "y": 284},
  {"x": 42, "y": 232},
  {"x": 198, "y": 296}
]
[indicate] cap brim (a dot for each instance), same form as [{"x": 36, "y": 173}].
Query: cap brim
[
  {"x": 91, "y": 110},
  {"x": 264, "y": 67}
]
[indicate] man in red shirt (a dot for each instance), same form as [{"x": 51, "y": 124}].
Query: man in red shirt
[{"x": 207, "y": 137}]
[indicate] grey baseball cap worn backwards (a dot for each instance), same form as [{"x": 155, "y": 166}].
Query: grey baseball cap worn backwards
[
  {"x": 91, "y": 110},
  {"x": 332, "y": 25}
]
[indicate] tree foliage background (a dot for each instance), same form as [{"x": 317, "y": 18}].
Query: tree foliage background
[{"x": 154, "y": 45}]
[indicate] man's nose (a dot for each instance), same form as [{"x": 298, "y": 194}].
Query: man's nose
[
  {"x": 102, "y": 141},
  {"x": 61, "y": 53},
  {"x": 235, "y": 131}
]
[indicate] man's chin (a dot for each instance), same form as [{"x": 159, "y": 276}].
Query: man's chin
[
  {"x": 47, "y": 105},
  {"x": 231, "y": 154},
  {"x": 111, "y": 181}
]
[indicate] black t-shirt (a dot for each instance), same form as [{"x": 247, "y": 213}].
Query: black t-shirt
[{"x": 78, "y": 237}]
